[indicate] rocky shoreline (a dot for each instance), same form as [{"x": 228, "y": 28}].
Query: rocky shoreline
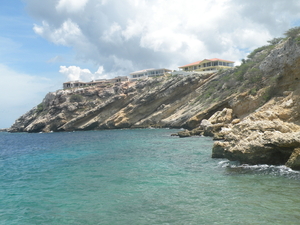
[
  {"x": 260, "y": 138},
  {"x": 271, "y": 133},
  {"x": 252, "y": 111}
]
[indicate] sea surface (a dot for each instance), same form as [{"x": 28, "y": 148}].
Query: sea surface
[{"x": 140, "y": 176}]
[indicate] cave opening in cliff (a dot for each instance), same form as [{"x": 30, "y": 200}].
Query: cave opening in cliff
[{"x": 281, "y": 156}]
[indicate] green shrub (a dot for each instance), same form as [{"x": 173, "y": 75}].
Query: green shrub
[
  {"x": 40, "y": 108},
  {"x": 253, "y": 91},
  {"x": 271, "y": 92},
  {"x": 76, "y": 98},
  {"x": 255, "y": 51},
  {"x": 241, "y": 70},
  {"x": 255, "y": 75},
  {"x": 297, "y": 39},
  {"x": 239, "y": 75}
]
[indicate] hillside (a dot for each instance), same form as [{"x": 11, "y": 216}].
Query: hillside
[{"x": 246, "y": 106}]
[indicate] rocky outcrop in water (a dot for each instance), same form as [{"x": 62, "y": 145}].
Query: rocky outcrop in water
[
  {"x": 270, "y": 135},
  {"x": 266, "y": 136}
]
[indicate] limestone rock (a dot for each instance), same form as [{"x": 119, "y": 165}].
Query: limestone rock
[
  {"x": 294, "y": 160},
  {"x": 235, "y": 121},
  {"x": 197, "y": 131},
  {"x": 218, "y": 150},
  {"x": 183, "y": 134},
  {"x": 224, "y": 116},
  {"x": 259, "y": 142}
]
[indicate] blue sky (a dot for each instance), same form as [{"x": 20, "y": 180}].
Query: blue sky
[{"x": 45, "y": 43}]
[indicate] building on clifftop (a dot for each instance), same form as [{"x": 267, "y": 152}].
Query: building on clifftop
[
  {"x": 148, "y": 73},
  {"x": 208, "y": 65},
  {"x": 99, "y": 83}
]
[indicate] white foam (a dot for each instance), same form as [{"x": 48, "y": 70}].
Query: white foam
[{"x": 266, "y": 169}]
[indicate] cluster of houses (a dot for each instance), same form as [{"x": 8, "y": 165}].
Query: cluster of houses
[
  {"x": 99, "y": 83},
  {"x": 199, "y": 67}
]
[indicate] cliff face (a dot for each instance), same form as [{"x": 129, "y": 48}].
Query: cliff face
[
  {"x": 253, "y": 108},
  {"x": 159, "y": 102},
  {"x": 271, "y": 134}
]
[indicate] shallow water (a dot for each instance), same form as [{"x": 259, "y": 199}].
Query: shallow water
[{"x": 141, "y": 176}]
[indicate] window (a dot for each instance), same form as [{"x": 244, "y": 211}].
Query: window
[{"x": 195, "y": 67}]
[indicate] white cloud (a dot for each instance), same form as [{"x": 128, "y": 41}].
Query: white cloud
[
  {"x": 133, "y": 29},
  {"x": 100, "y": 71},
  {"x": 20, "y": 93},
  {"x": 161, "y": 33},
  {"x": 68, "y": 34},
  {"x": 76, "y": 73},
  {"x": 71, "y": 6},
  {"x": 113, "y": 34}
]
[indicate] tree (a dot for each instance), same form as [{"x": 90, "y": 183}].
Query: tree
[
  {"x": 293, "y": 32},
  {"x": 275, "y": 41}
]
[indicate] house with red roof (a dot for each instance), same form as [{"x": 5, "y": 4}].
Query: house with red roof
[{"x": 208, "y": 65}]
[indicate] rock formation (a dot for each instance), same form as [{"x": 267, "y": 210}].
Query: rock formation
[{"x": 157, "y": 102}]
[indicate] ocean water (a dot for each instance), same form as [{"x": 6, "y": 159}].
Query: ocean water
[{"x": 141, "y": 176}]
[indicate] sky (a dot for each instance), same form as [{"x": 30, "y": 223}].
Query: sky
[{"x": 45, "y": 43}]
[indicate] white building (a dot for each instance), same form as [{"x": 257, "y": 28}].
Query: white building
[
  {"x": 99, "y": 82},
  {"x": 148, "y": 73}
]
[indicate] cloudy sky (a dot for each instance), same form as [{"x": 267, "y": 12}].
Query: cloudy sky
[{"x": 45, "y": 43}]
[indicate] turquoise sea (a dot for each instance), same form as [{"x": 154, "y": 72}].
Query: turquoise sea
[{"x": 141, "y": 176}]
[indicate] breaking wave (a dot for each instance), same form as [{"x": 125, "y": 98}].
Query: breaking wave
[{"x": 235, "y": 168}]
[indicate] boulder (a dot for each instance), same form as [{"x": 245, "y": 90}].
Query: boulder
[
  {"x": 224, "y": 116},
  {"x": 197, "y": 131},
  {"x": 218, "y": 150},
  {"x": 183, "y": 134},
  {"x": 259, "y": 142}
]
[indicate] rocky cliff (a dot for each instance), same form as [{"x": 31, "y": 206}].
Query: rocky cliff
[
  {"x": 253, "y": 109},
  {"x": 158, "y": 102},
  {"x": 270, "y": 134}
]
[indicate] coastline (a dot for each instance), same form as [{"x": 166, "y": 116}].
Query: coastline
[{"x": 251, "y": 109}]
